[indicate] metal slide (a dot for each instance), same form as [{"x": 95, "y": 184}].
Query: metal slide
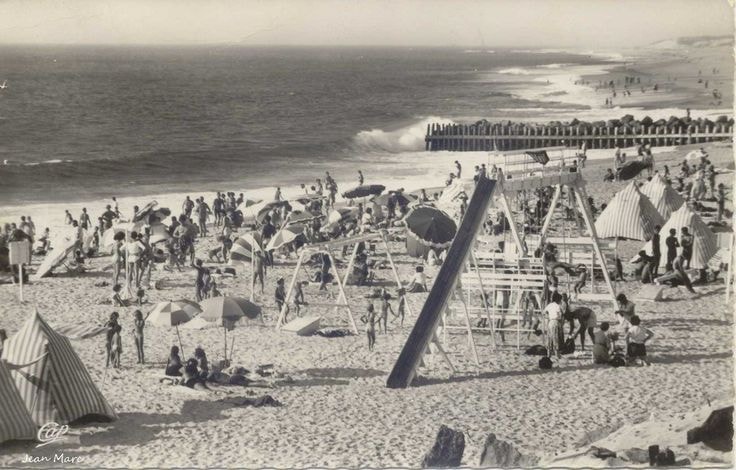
[{"x": 426, "y": 325}]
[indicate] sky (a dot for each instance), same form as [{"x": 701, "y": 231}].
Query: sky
[{"x": 466, "y": 23}]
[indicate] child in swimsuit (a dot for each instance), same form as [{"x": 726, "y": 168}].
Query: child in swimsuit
[
  {"x": 385, "y": 308},
  {"x": 370, "y": 326}
]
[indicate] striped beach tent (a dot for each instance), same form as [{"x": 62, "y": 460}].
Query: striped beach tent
[
  {"x": 15, "y": 421},
  {"x": 630, "y": 214},
  {"x": 57, "y": 388},
  {"x": 665, "y": 199},
  {"x": 705, "y": 243}
]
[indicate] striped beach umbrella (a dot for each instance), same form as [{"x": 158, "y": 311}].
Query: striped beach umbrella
[
  {"x": 228, "y": 309},
  {"x": 58, "y": 387},
  {"x": 284, "y": 237},
  {"x": 168, "y": 314},
  {"x": 189, "y": 306},
  {"x": 144, "y": 212},
  {"x": 630, "y": 214},
  {"x": 244, "y": 246},
  {"x": 705, "y": 243},
  {"x": 663, "y": 196},
  {"x": 56, "y": 256}
]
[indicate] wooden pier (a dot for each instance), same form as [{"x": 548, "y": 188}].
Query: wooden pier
[{"x": 490, "y": 137}]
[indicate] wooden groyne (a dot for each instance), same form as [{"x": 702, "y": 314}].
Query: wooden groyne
[{"x": 485, "y": 136}]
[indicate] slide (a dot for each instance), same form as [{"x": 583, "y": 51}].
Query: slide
[{"x": 424, "y": 329}]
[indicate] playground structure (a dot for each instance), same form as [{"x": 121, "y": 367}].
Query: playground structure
[
  {"x": 327, "y": 248},
  {"x": 510, "y": 285}
]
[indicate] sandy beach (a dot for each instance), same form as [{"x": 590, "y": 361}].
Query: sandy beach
[{"x": 336, "y": 410}]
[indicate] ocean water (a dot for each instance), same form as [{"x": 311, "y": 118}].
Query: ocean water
[{"x": 81, "y": 123}]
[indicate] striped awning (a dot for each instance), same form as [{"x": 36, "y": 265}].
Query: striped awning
[
  {"x": 630, "y": 214},
  {"x": 705, "y": 243},
  {"x": 663, "y": 196},
  {"x": 15, "y": 421},
  {"x": 57, "y": 388}
]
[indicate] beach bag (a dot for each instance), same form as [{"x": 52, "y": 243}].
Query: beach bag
[
  {"x": 536, "y": 350},
  {"x": 545, "y": 363},
  {"x": 568, "y": 347},
  {"x": 617, "y": 361}
]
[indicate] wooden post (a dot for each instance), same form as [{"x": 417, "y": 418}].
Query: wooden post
[
  {"x": 343, "y": 297},
  {"x": 548, "y": 218},
  {"x": 393, "y": 269},
  {"x": 20, "y": 279},
  {"x": 615, "y": 136}
]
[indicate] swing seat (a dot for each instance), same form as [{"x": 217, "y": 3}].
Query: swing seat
[{"x": 304, "y": 326}]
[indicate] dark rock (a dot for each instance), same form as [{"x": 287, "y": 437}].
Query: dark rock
[
  {"x": 660, "y": 122},
  {"x": 716, "y": 432},
  {"x": 498, "y": 453},
  {"x": 722, "y": 119},
  {"x": 628, "y": 118},
  {"x": 447, "y": 450},
  {"x": 647, "y": 121}
]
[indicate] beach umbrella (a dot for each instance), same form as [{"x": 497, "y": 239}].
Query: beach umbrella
[
  {"x": 247, "y": 202},
  {"x": 108, "y": 238},
  {"x": 56, "y": 256},
  {"x": 244, "y": 245},
  {"x": 223, "y": 309},
  {"x": 159, "y": 233},
  {"x": 430, "y": 227},
  {"x": 364, "y": 191},
  {"x": 342, "y": 215},
  {"x": 284, "y": 237},
  {"x": 705, "y": 242},
  {"x": 663, "y": 196},
  {"x": 302, "y": 217},
  {"x": 189, "y": 306},
  {"x": 402, "y": 198},
  {"x": 631, "y": 170},
  {"x": 629, "y": 214},
  {"x": 169, "y": 314},
  {"x": 159, "y": 215},
  {"x": 226, "y": 311},
  {"x": 260, "y": 209},
  {"x": 144, "y": 212}
]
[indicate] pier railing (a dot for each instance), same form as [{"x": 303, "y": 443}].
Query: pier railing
[{"x": 489, "y": 137}]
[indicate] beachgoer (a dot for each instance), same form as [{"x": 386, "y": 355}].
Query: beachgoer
[
  {"x": 625, "y": 306},
  {"x": 418, "y": 283},
  {"x": 259, "y": 271},
  {"x": 324, "y": 274},
  {"x": 459, "y": 169},
  {"x": 672, "y": 246},
  {"x": 133, "y": 253},
  {"x": 721, "y": 200},
  {"x": 186, "y": 207},
  {"x": 279, "y": 297},
  {"x": 581, "y": 279},
  {"x": 360, "y": 178},
  {"x": 609, "y": 176},
  {"x": 385, "y": 308},
  {"x": 139, "y": 324},
  {"x": 112, "y": 341},
  {"x": 636, "y": 339},
  {"x": 370, "y": 326},
  {"x": 203, "y": 366},
  {"x": 587, "y": 322},
  {"x": 656, "y": 252},
  {"x": 68, "y": 217},
  {"x": 553, "y": 313},
  {"x": 115, "y": 298},
  {"x": 199, "y": 283},
  {"x": 686, "y": 242},
  {"x": 601, "y": 345},
  {"x": 173, "y": 364},
  {"x": 84, "y": 219},
  {"x": 679, "y": 268},
  {"x": 643, "y": 271},
  {"x": 401, "y": 309}
]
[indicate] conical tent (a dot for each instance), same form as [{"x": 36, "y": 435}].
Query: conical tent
[
  {"x": 630, "y": 214},
  {"x": 15, "y": 421},
  {"x": 705, "y": 243},
  {"x": 58, "y": 387},
  {"x": 664, "y": 198}
]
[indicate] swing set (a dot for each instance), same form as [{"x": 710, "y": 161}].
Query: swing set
[{"x": 327, "y": 249}]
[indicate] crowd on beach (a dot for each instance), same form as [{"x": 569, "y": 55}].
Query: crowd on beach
[{"x": 154, "y": 239}]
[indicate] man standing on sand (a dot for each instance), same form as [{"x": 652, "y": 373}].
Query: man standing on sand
[
  {"x": 84, "y": 220},
  {"x": 686, "y": 242},
  {"x": 459, "y": 168},
  {"x": 656, "y": 252},
  {"x": 360, "y": 178},
  {"x": 672, "y": 246},
  {"x": 186, "y": 207}
]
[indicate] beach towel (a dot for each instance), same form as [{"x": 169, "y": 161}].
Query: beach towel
[{"x": 568, "y": 347}]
